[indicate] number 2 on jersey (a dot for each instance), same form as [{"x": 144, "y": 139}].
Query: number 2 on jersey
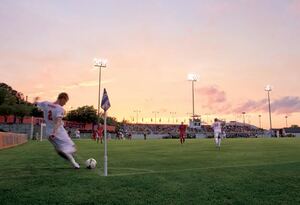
[{"x": 50, "y": 115}]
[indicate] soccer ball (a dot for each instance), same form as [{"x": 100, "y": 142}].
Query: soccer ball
[{"x": 90, "y": 163}]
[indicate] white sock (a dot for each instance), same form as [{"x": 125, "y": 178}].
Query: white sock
[{"x": 72, "y": 160}]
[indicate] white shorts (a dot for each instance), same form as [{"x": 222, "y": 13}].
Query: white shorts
[
  {"x": 63, "y": 143},
  {"x": 217, "y": 135}
]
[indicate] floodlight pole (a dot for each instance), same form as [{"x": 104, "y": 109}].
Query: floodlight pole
[
  {"x": 193, "y": 78},
  {"x": 259, "y": 117},
  {"x": 268, "y": 89},
  {"x": 100, "y": 64},
  {"x": 137, "y": 115},
  {"x": 193, "y": 94},
  {"x": 244, "y": 117},
  {"x": 173, "y": 116},
  {"x": 98, "y": 114},
  {"x": 155, "y": 112},
  {"x": 286, "y": 124}
]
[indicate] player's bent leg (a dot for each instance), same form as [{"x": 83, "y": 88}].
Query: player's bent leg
[
  {"x": 219, "y": 142},
  {"x": 63, "y": 155},
  {"x": 65, "y": 147},
  {"x": 72, "y": 160}
]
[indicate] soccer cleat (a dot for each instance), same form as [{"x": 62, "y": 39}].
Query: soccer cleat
[{"x": 76, "y": 165}]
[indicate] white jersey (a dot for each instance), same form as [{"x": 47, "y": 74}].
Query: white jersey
[
  {"x": 217, "y": 127},
  {"x": 51, "y": 113}
]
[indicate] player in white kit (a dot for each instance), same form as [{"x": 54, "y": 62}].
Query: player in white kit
[
  {"x": 57, "y": 135},
  {"x": 217, "y": 127}
]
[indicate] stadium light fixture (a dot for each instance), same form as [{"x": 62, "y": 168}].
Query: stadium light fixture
[
  {"x": 137, "y": 115},
  {"x": 193, "y": 78},
  {"x": 100, "y": 63},
  {"x": 173, "y": 116},
  {"x": 259, "y": 118},
  {"x": 244, "y": 117},
  {"x": 155, "y": 112},
  {"x": 268, "y": 88}
]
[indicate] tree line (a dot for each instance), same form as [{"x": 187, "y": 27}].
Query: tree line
[{"x": 14, "y": 103}]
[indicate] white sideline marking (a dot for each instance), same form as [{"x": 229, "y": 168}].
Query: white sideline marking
[
  {"x": 146, "y": 171},
  {"x": 139, "y": 171},
  {"x": 199, "y": 168}
]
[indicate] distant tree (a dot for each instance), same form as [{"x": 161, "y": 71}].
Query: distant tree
[
  {"x": 125, "y": 121},
  {"x": 6, "y": 97},
  {"x": 6, "y": 87},
  {"x": 12, "y": 103},
  {"x": 11, "y": 96},
  {"x": 113, "y": 122},
  {"x": 35, "y": 112},
  {"x": 294, "y": 126},
  {"x": 3, "y": 94},
  {"x": 21, "y": 110},
  {"x": 85, "y": 114},
  {"x": 6, "y": 110}
]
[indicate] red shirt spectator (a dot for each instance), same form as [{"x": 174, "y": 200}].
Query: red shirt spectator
[
  {"x": 182, "y": 129},
  {"x": 100, "y": 133}
]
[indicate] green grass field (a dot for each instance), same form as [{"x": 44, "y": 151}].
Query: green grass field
[{"x": 245, "y": 171}]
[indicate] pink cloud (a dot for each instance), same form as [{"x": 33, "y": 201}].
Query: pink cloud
[
  {"x": 251, "y": 106},
  {"x": 294, "y": 6},
  {"x": 212, "y": 94},
  {"x": 214, "y": 99},
  {"x": 284, "y": 105}
]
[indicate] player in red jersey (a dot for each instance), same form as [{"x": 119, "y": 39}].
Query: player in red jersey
[
  {"x": 100, "y": 133},
  {"x": 182, "y": 134}
]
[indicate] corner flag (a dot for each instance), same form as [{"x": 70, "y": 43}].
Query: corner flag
[{"x": 105, "y": 104}]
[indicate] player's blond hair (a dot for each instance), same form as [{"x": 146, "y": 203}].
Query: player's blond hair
[{"x": 63, "y": 96}]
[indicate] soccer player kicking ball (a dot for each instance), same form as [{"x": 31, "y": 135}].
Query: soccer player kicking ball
[
  {"x": 182, "y": 129},
  {"x": 217, "y": 127},
  {"x": 57, "y": 135}
]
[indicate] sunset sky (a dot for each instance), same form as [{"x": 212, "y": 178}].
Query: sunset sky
[{"x": 236, "y": 47}]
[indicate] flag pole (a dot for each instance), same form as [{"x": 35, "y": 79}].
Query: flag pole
[
  {"x": 105, "y": 145},
  {"x": 105, "y": 105}
]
